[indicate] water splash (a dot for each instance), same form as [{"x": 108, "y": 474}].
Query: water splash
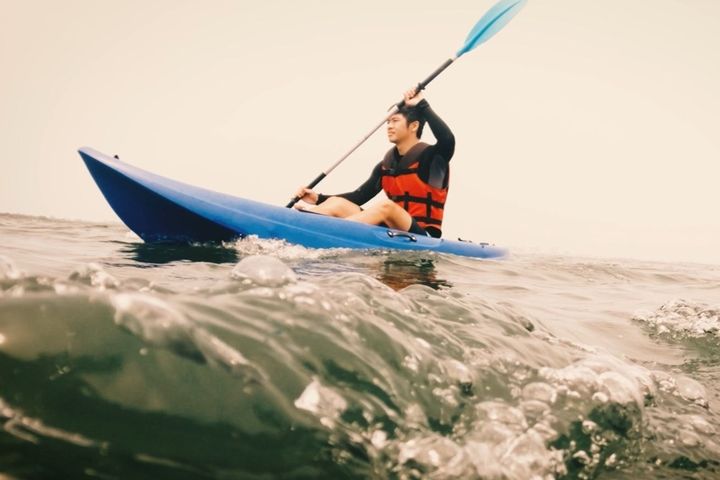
[
  {"x": 252, "y": 245},
  {"x": 682, "y": 319}
]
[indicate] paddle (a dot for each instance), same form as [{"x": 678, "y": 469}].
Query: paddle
[{"x": 491, "y": 23}]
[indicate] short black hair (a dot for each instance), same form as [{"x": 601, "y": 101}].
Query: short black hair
[{"x": 413, "y": 114}]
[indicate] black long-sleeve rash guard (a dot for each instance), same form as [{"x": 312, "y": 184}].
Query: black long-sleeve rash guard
[{"x": 433, "y": 162}]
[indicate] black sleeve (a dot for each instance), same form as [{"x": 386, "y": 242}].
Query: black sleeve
[
  {"x": 364, "y": 193},
  {"x": 445, "y": 146}
]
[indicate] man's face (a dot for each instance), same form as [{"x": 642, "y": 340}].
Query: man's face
[{"x": 398, "y": 129}]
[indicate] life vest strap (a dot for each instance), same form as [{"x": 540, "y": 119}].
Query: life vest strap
[
  {"x": 407, "y": 198},
  {"x": 396, "y": 172}
]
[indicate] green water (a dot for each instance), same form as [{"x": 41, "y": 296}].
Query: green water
[{"x": 259, "y": 359}]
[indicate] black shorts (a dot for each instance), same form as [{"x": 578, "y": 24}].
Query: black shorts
[
  {"x": 417, "y": 229},
  {"x": 414, "y": 228}
]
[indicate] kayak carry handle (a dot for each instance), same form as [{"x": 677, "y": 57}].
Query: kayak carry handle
[{"x": 408, "y": 235}]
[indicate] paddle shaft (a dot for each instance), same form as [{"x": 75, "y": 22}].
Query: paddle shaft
[{"x": 395, "y": 108}]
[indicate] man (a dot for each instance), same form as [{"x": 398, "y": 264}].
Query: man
[{"x": 413, "y": 175}]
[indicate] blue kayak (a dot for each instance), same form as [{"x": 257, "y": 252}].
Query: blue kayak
[{"x": 159, "y": 209}]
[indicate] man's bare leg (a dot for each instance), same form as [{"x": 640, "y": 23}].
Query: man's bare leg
[
  {"x": 387, "y": 212},
  {"x": 336, "y": 207}
]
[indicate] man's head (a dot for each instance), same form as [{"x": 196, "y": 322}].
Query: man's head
[{"x": 407, "y": 121}]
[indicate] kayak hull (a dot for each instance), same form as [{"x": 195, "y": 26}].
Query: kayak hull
[
  {"x": 159, "y": 209},
  {"x": 153, "y": 217}
]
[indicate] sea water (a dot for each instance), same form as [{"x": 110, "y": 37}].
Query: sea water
[{"x": 259, "y": 359}]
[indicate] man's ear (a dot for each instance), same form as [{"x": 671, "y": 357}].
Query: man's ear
[{"x": 414, "y": 126}]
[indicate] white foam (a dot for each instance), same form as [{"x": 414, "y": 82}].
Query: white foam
[
  {"x": 448, "y": 459},
  {"x": 94, "y": 275},
  {"x": 252, "y": 245},
  {"x": 603, "y": 379},
  {"x": 8, "y": 270},
  {"x": 683, "y": 319},
  {"x": 322, "y": 401}
]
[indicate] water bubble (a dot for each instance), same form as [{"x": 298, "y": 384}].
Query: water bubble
[
  {"x": 534, "y": 409},
  {"x": 263, "y": 270},
  {"x": 527, "y": 456},
  {"x": 699, "y": 424},
  {"x": 415, "y": 417},
  {"x": 619, "y": 388},
  {"x": 689, "y": 438},
  {"x": 378, "y": 439},
  {"x": 691, "y": 390},
  {"x": 458, "y": 373},
  {"x": 501, "y": 413},
  {"x": 411, "y": 362},
  {"x": 440, "y": 454},
  {"x": 539, "y": 391}
]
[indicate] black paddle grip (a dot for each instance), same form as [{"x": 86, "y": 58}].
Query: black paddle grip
[
  {"x": 312, "y": 184},
  {"x": 421, "y": 86}
]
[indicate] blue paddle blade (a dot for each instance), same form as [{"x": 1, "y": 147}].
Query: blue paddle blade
[{"x": 491, "y": 23}]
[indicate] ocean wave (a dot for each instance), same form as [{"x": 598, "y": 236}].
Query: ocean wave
[{"x": 259, "y": 360}]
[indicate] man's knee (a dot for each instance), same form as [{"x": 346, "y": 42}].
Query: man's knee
[
  {"x": 332, "y": 201},
  {"x": 339, "y": 207},
  {"x": 387, "y": 206},
  {"x": 394, "y": 215}
]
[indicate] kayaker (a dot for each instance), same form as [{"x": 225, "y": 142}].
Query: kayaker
[{"x": 413, "y": 175}]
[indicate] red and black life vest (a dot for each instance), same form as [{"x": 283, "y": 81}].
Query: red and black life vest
[{"x": 402, "y": 184}]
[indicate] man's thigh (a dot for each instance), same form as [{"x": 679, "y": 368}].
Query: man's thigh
[{"x": 337, "y": 207}]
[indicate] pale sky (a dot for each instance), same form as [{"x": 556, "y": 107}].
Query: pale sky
[{"x": 584, "y": 127}]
